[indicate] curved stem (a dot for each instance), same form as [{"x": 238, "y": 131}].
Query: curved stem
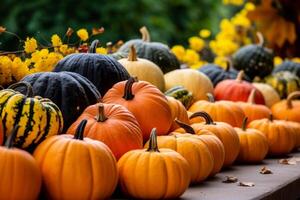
[
  {"x": 29, "y": 90},
  {"x": 80, "y": 130},
  {"x": 260, "y": 38},
  {"x": 145, "y": 34},
  {"x": 205, "y": 115},
  {"x": 128, "y": 88},
  {"x": 229, "y": 63},
  {"x": 251, "y": 97},
  {"x": 244, "y": 124},
  {"x": 292, "y": 96},
  {"x": 153, "y": 147},
  {"x": 210, "y": 97},
  {"x": 240, "y": 76},
  {"x": 185, "y": 126},
  {"x": 93, "y": 46},
  {"x": 101, "y": 115},
  {"x": 9, "y": 143},
  {"x": 132, "y": 54}
]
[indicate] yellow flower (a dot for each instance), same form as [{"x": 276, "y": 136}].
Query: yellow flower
[
  {"x": 101, "y": 50},
  {"x": 5, "y": 70},
  {"x": 83, "y": 34},
  {"x": 179, "y": 52},
  {"x": 221, "y": 61},
  {"x": 277, "y": 60},
  {"x": 30, "y": 45},
  {"x": 63, "y": 49},
  {"x": 19, "y": 69},
  {"x": 196, "y": 43},
  {"x": 198, "y": 64},
  {"x": 249, "y": 6},
  {"x": 204, "y": 33},
  {"x": 56, "y": 41},
  {"x": 191, "y": 57},
  {"x": 233, "y": 2}
]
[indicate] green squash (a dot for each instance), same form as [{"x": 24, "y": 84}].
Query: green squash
[{"x": 181, "y": 94}]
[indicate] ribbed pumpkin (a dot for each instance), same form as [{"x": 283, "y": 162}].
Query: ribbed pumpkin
[
  {"x": 143, "y": 69},
  {"x": 71, "y": 92},
  {"x": 288, "y": 109},
  {"x": 280, "y": 135},
  {"x": 145, "y": 102},
  {"x": 193, "y": 80},
  {"x": 224, "y": 132},
  {"x": 269, "y": 93},
  {"x": 254, "y": 111},
  {"x": 20, "y": 175},
  {"x": 178, "y": 112},
  {"x": 296, "y": 127},
  {"x": 221, "y": 111},
  {"x": 167, "y": 172},
  {"x": 253, "y": 144},
  {"x": 181, "y": 94},
  {"x": 1, "y": 133},
  {"x": 74, "y": 167},
  {"x": 290, "y": 66},
  {"x": 102, "y": 70},
  {"x": 113, "y": 125},
  {"x": 236, "y": 90},
  {"x": 38, "y": 118}
]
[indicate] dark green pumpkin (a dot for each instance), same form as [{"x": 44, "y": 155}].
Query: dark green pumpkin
[
  {"x": 290, "y": 66},
  {"x": 71, "y": 92},
  {"x": 182, "y": 94},
  {"x": 156, "y": 52},
  {"x": 102, "y": 70}
]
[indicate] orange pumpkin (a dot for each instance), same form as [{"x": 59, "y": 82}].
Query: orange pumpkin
[
  {"x": 279, "y": 134},
  {"x": 1, "y": 133},
  {"x": 74, "y": 167},
  {"x": 221, "y": 111},
  {"x": 253, "y": 144},
  {"x": 145, "y": 102},
  {"x": 20, "y": 176},
  {"x": 252, "y": 110},
  {"x": 153, "y": 173},
  {"x": 178, "y": 112},
  {"x": 224, "y": 132},
  {"x": 113, "y": 125},
  {"x": 296, "y": 127},
  {"x": 288, "y": 109}
]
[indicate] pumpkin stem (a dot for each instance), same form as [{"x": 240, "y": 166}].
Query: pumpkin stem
[
  {"x": 185, "y": 126},
  {"x": 93, "y": 46},
  {"x": 132, "y": 54},
  {"x": 210, "y": 97},
  {"x": 145, "y": 34},
  {"x": 260, "y": 37},
  {"x": 80, "y": 129},
  {"x": 128, "y": 88},
  {"x": 101, "y": 116},
  {"x": 29, "y": 90},
  {"x": 205, "y": 115},
  {"x": 240, "y": 76},
  {"x": 271, "y": 117},
  {"x": 244, "y": 124},
  {"x": 9, "y": 143},
  {"x": 229, "y": 63},
  {"x": 292, "y": 96},
  {"x": 251, "y": 97},
  {"x": 153, "y": 147}
]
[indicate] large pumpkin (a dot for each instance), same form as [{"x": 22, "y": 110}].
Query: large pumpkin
[
  {"x": 236, "y": 90},
  {"x": 20, "y": 175},
  {"x": 113, "y": 125},
  {"x": 269, "y": 93},
  {"x": 147, "y": 103},
  {"x": 288, "y": 109},
  {"x": 290, "y": 66},
  {"x": 178, "y": 112},
  {"x": 71, "y": 92},
  {"x": 102, "y": 70},
  {"x": 156, "y": 52},
  {"x": 38, "y": 118},
  {"x": 74, "y": 167},
  {"x": 143, "y": 69},
  {"x": 182, "y": 94},
  {"x": 167, "y": 172},
  {"x": 1, "y": 133},
  {"x": 296, "y": 127},
  {"x": 193, "y": 80}
]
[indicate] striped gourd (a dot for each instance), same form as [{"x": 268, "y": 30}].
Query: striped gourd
[
  {"x": 182, "y": 94},
  {"x": 38, "y": 118}
]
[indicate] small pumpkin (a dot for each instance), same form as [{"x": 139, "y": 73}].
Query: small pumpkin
[
  {"x": 147, "y": 103},
  {"x": 102, "y": 70},
  {"x": 181, "y": 94},
  {"x": 193, "y": 80},
  {"x": 290, "y": 66},
  {"x": 236, "y": 90},
  {"x": 253, "y": 144},
  {"x": 167, "y": 172},
  {"x": 73, "y": 165},
  {"x": 143, "y": 69},
  {"x": 178, "y": 112},
  {"x": 269, "y": 93},
  {"x": 280, "y": 135},
  {"x": 288, "y": 109},
  {"x": 113, "y": 125},
  {"x": 20, "y": 175}
]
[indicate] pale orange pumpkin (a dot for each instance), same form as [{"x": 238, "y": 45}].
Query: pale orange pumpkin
[{"x": 178, "y": 112}]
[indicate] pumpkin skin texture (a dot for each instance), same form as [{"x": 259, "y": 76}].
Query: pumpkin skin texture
[
  {"x": 290, "y": 66},
  {"x": 181, "y": 94},
  {"x": 143, "y": 69},
  {"x": 193, "y": 80},
  {"x": 178, "y": 112},
  {"x": 72, "y": 166},
  {"x": 102, "y": 70},
  {"x": 288, "y": 109},
  {"x": 156, "y": 52},
  {"x": 113, "y": 125},
  {"x": 236, "y": 90},
  {"x": 1, "y": 133},
  {"x": 167, "y": 171},
  {"x": 280, "y": 136},
  {"x": 37, "y": 118},
  {"x": 296, "y": 127},
  {"x": 71, "y": 92},
  {"x": 149, "y": 106},
  {"x": 269, "y": 93},
  {"x": 20, "y": 176}
]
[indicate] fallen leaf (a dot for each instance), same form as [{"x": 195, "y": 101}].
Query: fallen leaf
[
  {"x": 2, "y": 29},
  {"x": 246, "y": 184},
  {"x": 287, "y": 161},
  {"x": 230, "y": 179},
  {"x": 265, "y": 170}
]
